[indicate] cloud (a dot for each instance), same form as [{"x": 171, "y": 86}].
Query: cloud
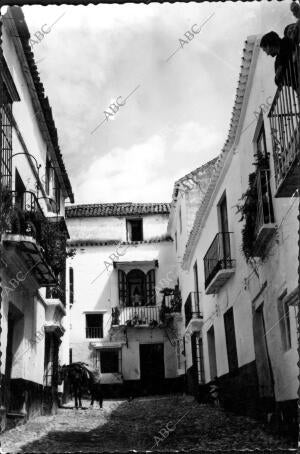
[
  {"x": 146, "y": 172},
  {"x": 123, "y": 173}
]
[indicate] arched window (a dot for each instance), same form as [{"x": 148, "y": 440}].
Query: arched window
[{"x": 137, "y": 288}]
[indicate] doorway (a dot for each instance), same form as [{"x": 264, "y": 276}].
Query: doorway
[
  {"x": 152, "y": 368},
  {"x": 15, "y": 327},
  {"x": 263, "y": 364},
  {"x": 212, "y": 352}
]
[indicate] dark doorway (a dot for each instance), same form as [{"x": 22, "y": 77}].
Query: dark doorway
[
  {"x": 15, "y": 327},
  {"x": 263, "y": 364},
  {"x": 9, "y": 358},
  {"x": 197, "y": 368},
  {"x": 152, "y": 368},
  {"x": 230, "y": 340},
  {"x": 212, "y": 352}
]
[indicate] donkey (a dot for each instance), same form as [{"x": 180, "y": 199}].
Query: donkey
[{"x": 81, "y": 378}]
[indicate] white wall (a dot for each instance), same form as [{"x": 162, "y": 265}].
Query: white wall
[
  {"x": 96, "y": 283},
  {"x": 279, "y": 270}
]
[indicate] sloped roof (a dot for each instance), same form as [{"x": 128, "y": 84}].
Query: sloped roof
[
  {"x": 192, "y": 176},
  {"x": 116, "y": 209},
  {"x": 248, "y": 59}
]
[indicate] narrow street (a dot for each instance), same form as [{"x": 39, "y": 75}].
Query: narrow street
[{"x": 141, "y": 425}]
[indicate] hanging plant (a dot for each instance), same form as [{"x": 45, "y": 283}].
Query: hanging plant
[
  {"x": 248, "y": 209},
  {"x": 54, "y": 242}
]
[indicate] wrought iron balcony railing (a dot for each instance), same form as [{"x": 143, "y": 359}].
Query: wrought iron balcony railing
[
  {"x": 192, "y": 307},
  {"x": 218, "y": 257},
  {"x": 25, "y": 215},
  {"x": 172, "y": 303},
  {"x": 94, "y": 332},
  {"x": 136, "y": 316},
  {"x": 284, "y": 118},
  {"x": 265, "y": 213}
]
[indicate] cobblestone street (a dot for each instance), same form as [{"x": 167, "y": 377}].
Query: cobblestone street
[{"x": 156, "y": 423}]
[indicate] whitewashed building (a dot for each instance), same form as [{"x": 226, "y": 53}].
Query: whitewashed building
[
  {"x": 245, "y": 314},
  {"x": 120, "y": 323},
  {"x": 34, "y": 185},
  {"x": 188, "y": 194}
]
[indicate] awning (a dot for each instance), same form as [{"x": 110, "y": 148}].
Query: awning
[
  {"x": 106, "y": 344},
  {"x": 135, "y": 263}
]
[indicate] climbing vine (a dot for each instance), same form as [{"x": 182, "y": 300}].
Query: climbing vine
[{"x": 248, "y": 209}]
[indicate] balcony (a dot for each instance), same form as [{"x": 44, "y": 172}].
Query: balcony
[
  {"x": 94, "y": 332},
  {"x": 55, "y": 311},
  {"x": 56, "y": 292},
  {"x": 136, "y": 316},
  {"x": 218, "y": 264},
  {"x": 284, "y": 118},
  {"x": 23, "y": 236},
  {"x": 193, "y": 316},
  {"x": 264, "y": 224}
]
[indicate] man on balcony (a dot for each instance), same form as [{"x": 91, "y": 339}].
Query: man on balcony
[{"x": 286, "y": 71}]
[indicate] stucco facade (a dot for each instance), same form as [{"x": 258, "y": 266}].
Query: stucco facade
[
  {"x": 32, "y": 317},
  {"x": 248, "y": 341},
  {"x": 103, "y": 252}
]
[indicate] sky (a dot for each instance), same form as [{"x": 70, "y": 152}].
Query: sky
[{"x": 175, "y": 91}]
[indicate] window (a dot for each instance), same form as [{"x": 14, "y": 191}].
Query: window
[
  {"x": 47, "y": 176},
  {"x": 134, "y": 230},
  {"x": 176, "y": 241},
  {"x": 6, "y": 164},
  {"x": 49, "y": 181},
  {"x": 71, "y": 286},
  {"x": 223, "y": 228},
  {"x": 137, "y": 288},
  {"x": 230, "y": 340},
  {"x": 180, "y": 220},
  {"x": 20, "y": 190},
  {"x": 70, "y": 356},
  {"x": 261, "y": 146},
  {"x": 196, "y": 285},
  {"x": 94, "y": 326},
  {"x": 109, "y": 360},
  {"x": 57, "y": 194},
  {"x": 284, "y": 321}
]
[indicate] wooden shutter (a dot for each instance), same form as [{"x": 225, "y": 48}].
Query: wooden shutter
[
  {"x": 122, "y": 287},
  {"x": 150, "y": 283}
]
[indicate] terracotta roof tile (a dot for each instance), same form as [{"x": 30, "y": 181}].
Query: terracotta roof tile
[{"x": 116, "y": 209}]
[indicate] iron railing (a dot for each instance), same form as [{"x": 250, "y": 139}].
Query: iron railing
[
  {"x": 192, "y": 307},
  {"x": 265, "y": 213},
  {"x": 218, "y": 256},
  {"x": 172, "y": 303},
  {"x": 284, "y": 118},
  {"x": 94, "y": 332},
  {"x": 25, "y": 214},
  {"x": 136, "y": 316}
]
